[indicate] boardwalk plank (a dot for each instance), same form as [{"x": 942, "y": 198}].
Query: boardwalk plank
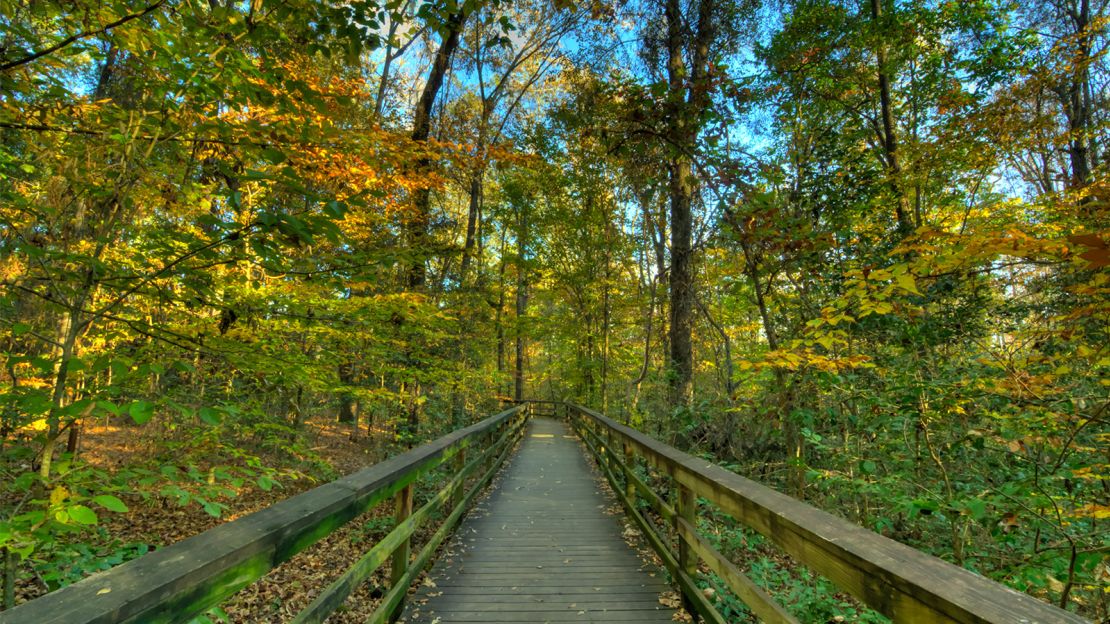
[{"x": 542, "y": 548}]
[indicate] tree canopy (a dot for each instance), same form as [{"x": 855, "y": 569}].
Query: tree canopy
[{"x": 857, "y": 250}]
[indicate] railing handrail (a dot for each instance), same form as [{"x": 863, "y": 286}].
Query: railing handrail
[
  {"x": 901, "y": 582},
  {"x": 184, "y": 579}
]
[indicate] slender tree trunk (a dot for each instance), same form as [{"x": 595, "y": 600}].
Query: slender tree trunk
[
  {"x": 298, "y": 409},
  {"x": 795, "y": 443},
  {"x": 890, "y": 132},
  {"x": 383, "y": 82},
  {"x": 413, "y": 413},
  {"x": 658, "y": 240},
  {"x": 68, "y": 330},
  {"x": 348, "y": 406},
  {"x": 473, "y": 215},
  {"x": 422, "y": 128},
  {"x": 606, "y": 318},
  {"x": 499, "y": 319},
  {"x": 521, "y": 305},
  {"x": 106, "y": 71},
  {"x": 1077, "y": 104}
]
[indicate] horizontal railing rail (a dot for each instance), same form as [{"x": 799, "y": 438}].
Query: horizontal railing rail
[
  {"x": 539, "y": 407},
  {"x": 896, "y": 580},
  {"x": 186, "y": 579}
]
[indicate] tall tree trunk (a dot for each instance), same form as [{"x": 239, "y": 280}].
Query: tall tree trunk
[
  {"x": 1077, "y": 99},
  {"x": 681, "y": 190},
  {"x": 606, "y": 318},
  {"x": 500, "y": 314},
  {"x": 418, "y": 226},
  {"x": 421, "y": 130},
  {"x": 689, "y": 101},
  {"x": 890, "y": 132},
  {"x": 521, "y": 305}
]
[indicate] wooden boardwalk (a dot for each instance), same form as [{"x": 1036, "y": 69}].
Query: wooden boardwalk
[{"x": 541, "y": 548}]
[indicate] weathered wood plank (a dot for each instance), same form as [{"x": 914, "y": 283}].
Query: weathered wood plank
[
  {"x": 584, "y": 586},
  {"x": 580, "y": 615},
  {"x": 541, "y": 539},
  {"x": 892, "y": 578},
  {"x": 175, "y": 583}
]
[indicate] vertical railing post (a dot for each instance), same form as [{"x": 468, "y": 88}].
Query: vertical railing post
[
  {"x": 486, "y": 441},
  {"x": 629, "y": 466},
  {"x": 688, "y": 511},
  {"x": 399, "y": 564},
  {"x": 686, "y": 508},
  {"x": 460, "y": 463},
  {"x": 609, "y": 451}
]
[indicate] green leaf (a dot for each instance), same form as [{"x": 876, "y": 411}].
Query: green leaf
[
  {"x": 209, "y": 416},
  {"x": 109, "y": 407},
  {"x": 18, "y": 329},
  {"x": 274, "y": 155},
  {"x": 111, "y": 503},
  {"x": 975, "y": 508},
  {"x": 212, "y": 509},
  {"x": 82, "y": 515},
  {"x": 141, "y": 412}
]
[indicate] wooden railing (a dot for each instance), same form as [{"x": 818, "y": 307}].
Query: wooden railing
[
  {"x": 541, "y": 408},
  {"x": 181, "y": 581},
  {"x": 904, "y": 584}
]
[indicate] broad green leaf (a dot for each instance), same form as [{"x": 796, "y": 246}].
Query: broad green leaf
[
  {"x": 209, "y": 416},
  {"x": 141, "y": 412},
  {"x": 82, "y": 515},
  {"x": 111, "y": 503}
]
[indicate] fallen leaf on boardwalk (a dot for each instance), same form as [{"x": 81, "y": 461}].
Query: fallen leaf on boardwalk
[{"x": 670, "y": 600}]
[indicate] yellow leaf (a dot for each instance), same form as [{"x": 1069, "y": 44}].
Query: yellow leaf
[
  {"x": 58, "y": 495},
  {"x": 906, "y": 282}
]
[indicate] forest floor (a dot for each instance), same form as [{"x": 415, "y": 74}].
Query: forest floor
[{"x": 290, "y": 587}]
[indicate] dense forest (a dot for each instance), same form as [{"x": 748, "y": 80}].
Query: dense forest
[{"x": 857, "y": 250}]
